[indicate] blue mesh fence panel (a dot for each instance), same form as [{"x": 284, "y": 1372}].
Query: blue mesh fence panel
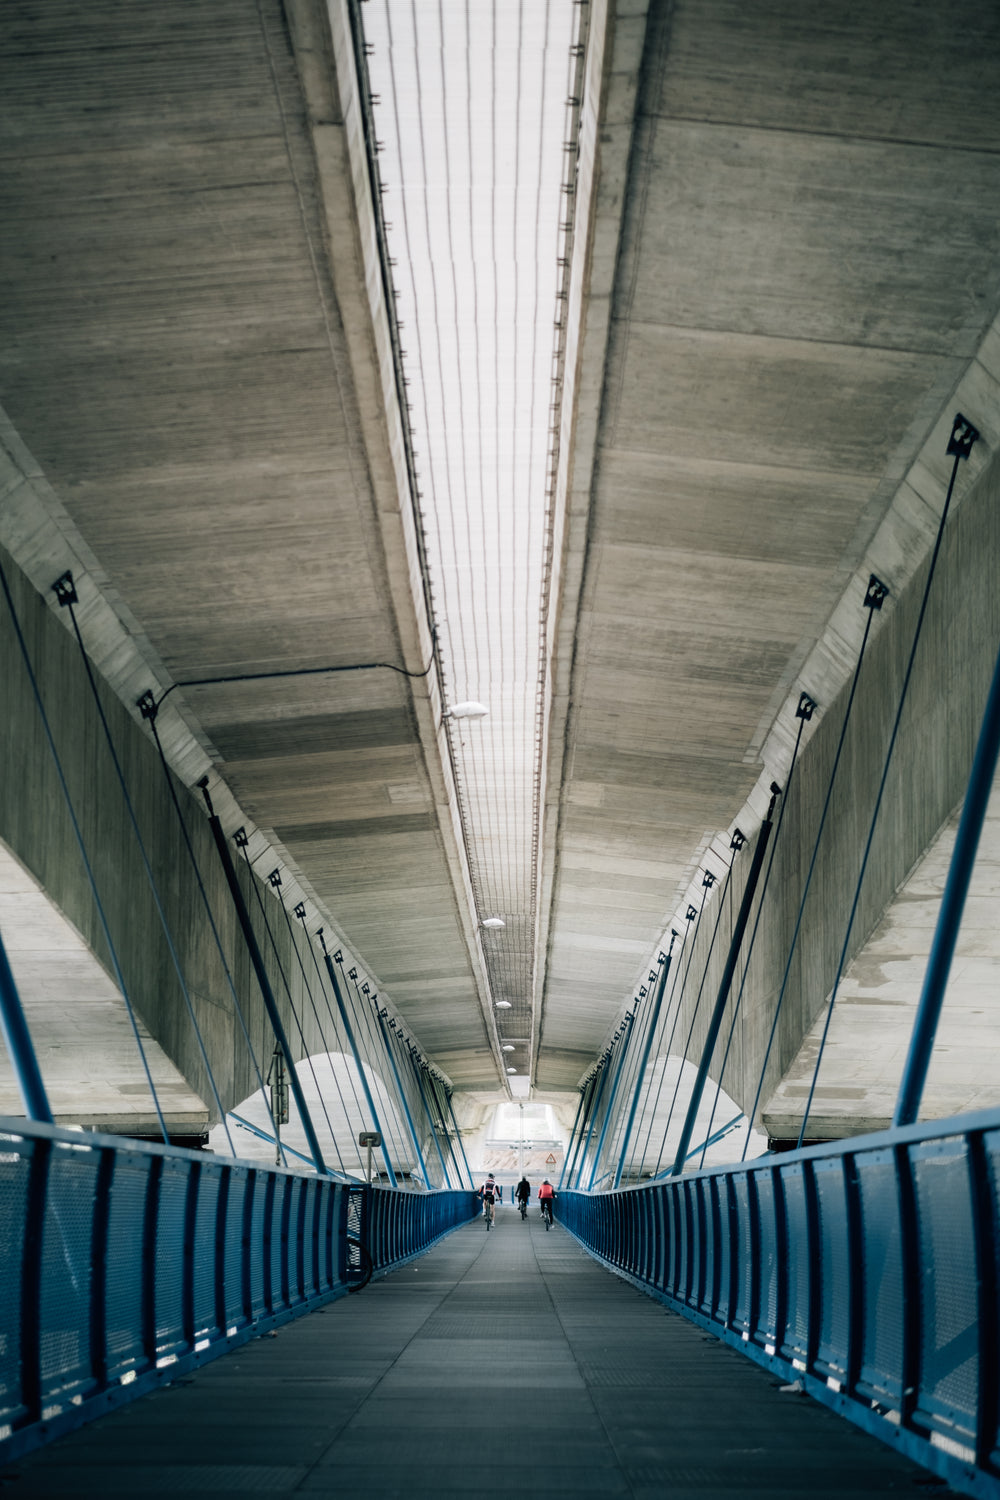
[
  {"x": 124, "y": 1285},
  {"x": 770, "y": 1260},
  {"x": 66, "y": 1268},
  {"x": 281, "y": 1205},
  {"x": 258, "y": 1247},
  {"x": 820, "y": 1235},
  {"x": 729, "y": 1254},
  {"x": 834, "y": 1267},
  {"x": 15, "y": 1160},
  {"x": 687, "y": 1242},
  {"x": 882, "y": 1349},
  {"x": 239, "y": 1186},
  {"x": 949, "y": 1361},
  {"x": 205, "y": 1236},
  {"x": 710, "y": 1211},
  {"x": 797, "y": 1274},
  {"x": 744, "y": 1264},
  {"x": 170, "y": 1255},
  {"x": 157, "y": 1230}
]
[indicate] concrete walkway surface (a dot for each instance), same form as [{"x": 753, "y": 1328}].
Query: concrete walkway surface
[{"x": 502, "y": 1364}]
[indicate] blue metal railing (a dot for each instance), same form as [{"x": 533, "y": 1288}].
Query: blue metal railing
[
  {"x": 866, "y": 1269},
  {"x": 126, "y": 1264}
]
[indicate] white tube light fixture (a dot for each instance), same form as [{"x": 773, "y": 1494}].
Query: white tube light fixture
[
  {"x": 469, "y": 710},
  {"x": 493, "y": 923}
]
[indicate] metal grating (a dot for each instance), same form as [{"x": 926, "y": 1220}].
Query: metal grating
[{"x": 475, "y": 107}]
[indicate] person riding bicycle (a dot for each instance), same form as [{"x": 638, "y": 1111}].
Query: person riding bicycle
[
  {"x": 488, "y": 1193},
  {"x": 547, "y": 1195},
  {"x": 523, "y": 1191}
]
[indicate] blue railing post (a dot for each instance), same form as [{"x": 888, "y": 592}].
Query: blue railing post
[
  {"x": 664, "y": 960},
  {"x": 949, "y": 920},
  {"x": 20, "y": 1049},
  {"x": 622, "y": 1051}
]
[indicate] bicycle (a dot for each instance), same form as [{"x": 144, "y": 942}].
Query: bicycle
[
  {"x": 547, "y": 1213},
  {"x": 488, "y": 1212},
  {"x": 522, "y": 1204}
]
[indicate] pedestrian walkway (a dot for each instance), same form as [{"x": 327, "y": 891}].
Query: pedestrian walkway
[{"x": 505, "y": 1364}]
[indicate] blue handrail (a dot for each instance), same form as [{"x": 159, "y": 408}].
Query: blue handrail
[
  {"x": 138, "y": 1262},
  {"x": 866, "y": 1269}
]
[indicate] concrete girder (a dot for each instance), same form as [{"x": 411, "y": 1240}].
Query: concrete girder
[
  {"x": 779, "y": 386},
  {"x": 200, "y": 383}
]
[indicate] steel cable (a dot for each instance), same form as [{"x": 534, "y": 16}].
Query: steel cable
[
  {"x": 149, "y": 711},
  {"x": 692, "y": 932},
  {"x": 312, "y": 1003},
  {"x": 67, "y": 597},
  {"x": 963, "y": 436},
  {"x": 697, "y": 1002},
  {"x": 874, "y": 599},
  {"x": 803, "y": 719},
  {"x": 242, "y": 845},
  {"x": 342, "y": 1051}
]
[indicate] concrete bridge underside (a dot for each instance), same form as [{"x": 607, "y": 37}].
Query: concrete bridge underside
[{"x": 786, "y": 275}]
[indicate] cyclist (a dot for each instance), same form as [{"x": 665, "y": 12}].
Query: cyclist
[
  {"x": 488, "y": 1193},
  {"x": 523, "y": 1194},
  {"x": 547, "y": 1195}
]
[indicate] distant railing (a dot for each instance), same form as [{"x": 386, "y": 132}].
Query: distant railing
[
  {"x": 865, "y": 1269},
  {"x": 125, "y": 1264}
]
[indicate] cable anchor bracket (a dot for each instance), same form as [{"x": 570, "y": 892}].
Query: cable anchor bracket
[
  {"x": 963, "y": 435},
  {"x": 876, "y": 594},
  {"x": 65, "y": 589}
]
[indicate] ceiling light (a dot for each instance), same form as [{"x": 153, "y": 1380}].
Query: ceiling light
[
  {"x": 511, "y": 1070},
  {"x": 508, "y": 1046},
  {"x": 470, "y": 710},
  {"x": 502, "y": 1004},
  {"x": 493, "y": 923}
]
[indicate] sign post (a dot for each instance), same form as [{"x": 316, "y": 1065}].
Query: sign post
[{"x": 371, "y": 1139}]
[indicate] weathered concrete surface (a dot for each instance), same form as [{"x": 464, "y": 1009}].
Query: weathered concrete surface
[
  {"x": 36, "y": 826},
  {"x": 808, "y": 266},
  {"x": 869, "y": 1034},
  {"x": 186, "y": 349},
  {"x": 786, "y": 265},
  {"x": 86, "y": 1051},
  {"x": 927, "y": 777}
]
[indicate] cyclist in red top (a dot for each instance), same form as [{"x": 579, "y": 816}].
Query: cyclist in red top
[{"x": 547, "y": 1195}]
